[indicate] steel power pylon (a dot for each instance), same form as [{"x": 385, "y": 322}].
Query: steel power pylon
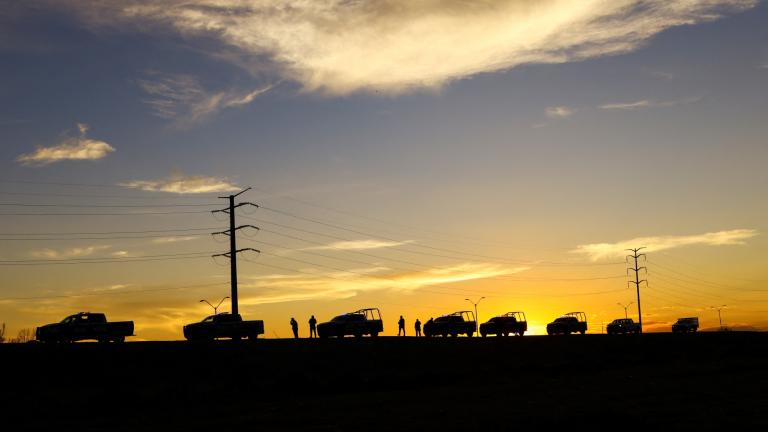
[
  {"x": 635, "y": 255},
  {"x": 233, "y": 250}
]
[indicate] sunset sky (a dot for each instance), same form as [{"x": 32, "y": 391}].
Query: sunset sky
[{"x": 406, "y": 155}]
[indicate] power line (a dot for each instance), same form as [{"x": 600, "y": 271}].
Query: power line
[
  {"x": 347, "y": 213},
  {"x": 72, "y": 195},
  {"x": 112, "y": 261},
  {"x": 105, "y": 205},
  {"x": 104, "y": 214},
  {"x": 402, "y": 249},
  {"x": 101, "y": 258},
  {"x": 110, "y": 293},
  {"x": 89, "y": 238},
  {"x": 111, "y": 232}
]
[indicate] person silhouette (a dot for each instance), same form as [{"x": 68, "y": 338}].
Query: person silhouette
[
  {"x": 312, "y": 327},
  {"x": 401, "y": 326},
  {"x": 417, "y": 326},
  {"x": 295, "y": 328}
]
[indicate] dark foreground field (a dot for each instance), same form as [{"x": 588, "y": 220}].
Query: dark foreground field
[{"x": 703, "y": 381}]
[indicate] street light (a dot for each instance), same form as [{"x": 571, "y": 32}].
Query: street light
[
  {"x": 719, "y": 317},
  {"x": 625, "y": 308},
  {"x": 477, "y": 320},
  {"x": 215, "y": 308}
]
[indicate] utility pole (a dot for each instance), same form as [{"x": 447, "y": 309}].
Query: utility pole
[
  {"x": 477, "y": 321},
  {"x": 719, "y": 317},
  {"x": 625, "y": 308},
  {"x": 635, "y": 255},
  {"x": 233, "y": 250}
]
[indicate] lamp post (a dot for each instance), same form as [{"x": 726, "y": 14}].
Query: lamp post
[
  {"x": 719, "y": 317},
  {"x": 625, "y": 308},
  {"x": 215, "y": 308},
  {"x": 475, "y": 305}
]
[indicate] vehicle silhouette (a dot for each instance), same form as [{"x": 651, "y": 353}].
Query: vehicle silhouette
[
  {"x": 505, "y": 324},
  {"x": 359, "y": 323},
  {"x": 223, "y": 325},
  {"x": 686, "y": 325},
  {"x": 454, "y": 324},
  {"x": 572, "y": 322},
  {"x": 623, "y": 326},
  {"x": 85, "y": 326}
]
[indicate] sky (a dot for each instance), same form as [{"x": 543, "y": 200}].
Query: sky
[{"x": 405, "y": 155}]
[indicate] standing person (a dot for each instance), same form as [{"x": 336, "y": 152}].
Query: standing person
[
  {"x": 312, "y": 327},
  {"x": 417, "y": 326},
  {"x": 401, "y": 326},
  {"x": 295, "y": 328}
]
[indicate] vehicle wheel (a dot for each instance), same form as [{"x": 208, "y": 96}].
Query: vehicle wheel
[
  {"x": 454, "y": 335},
  {"x": 253, "y": 337},
  {"x": 483, "y": 334},
  {"x": 583, "y": 331},
  {"x": 444, "y": 335},
  {"x": 470, "y": 334},
  {"x": 549, "y": 333},
  {"x": 119, "y": 339},
  {"x": 103, "y": 340},
  {"x": 374, "y": 334},
  {"x": 520, "y": 333},
  {"x": 358, "y": 335}
]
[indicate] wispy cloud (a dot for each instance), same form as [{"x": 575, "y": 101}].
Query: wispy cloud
[
  {"x": 165, "y": 240},
  {"x": 75, "y": 148},
  {"x": 183, "y": 184},
  {"x": 282, "y": 288},
  {"x": 559, "y": 112},
  {"x": 598, "y": 251},
  {"x": 646, "y": 103},
  {"x": 339, "y": 46},
  {"x": 68, "y": 253},
  {"x": 183, "y": 99},
  {"x": 361, "y": 245}
]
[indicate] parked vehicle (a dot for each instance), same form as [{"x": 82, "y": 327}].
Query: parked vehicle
[
  {"x": 572, "y": 322},
  {"x": 359, "y": 323},
  {"x": 462, "y": 322},
  {"x": 623, "y": 326},
  {"x": 223, "y": 325},
  {"x": 85, "y": 326},
  {"x": 686, "y": 325},
  {"x": 506, "y": 324}
]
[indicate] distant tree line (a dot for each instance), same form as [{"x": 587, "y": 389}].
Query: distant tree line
[{"x": 24, "y": 335}]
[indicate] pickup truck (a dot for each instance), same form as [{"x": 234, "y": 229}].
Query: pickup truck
[
  {"x": 454, "y": 324},
  {"x": 362, "y": 322},
  {"x": 85, "y": 326},
  {"x": 572, "y": 322},
  {"x": 223, "y": 325},
  {"x": 686, "y": 325},
  {"x": 506, "y": 324},
  {"x": 623, "y": 326}
]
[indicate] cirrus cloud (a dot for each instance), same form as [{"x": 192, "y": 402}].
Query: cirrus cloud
[
  {"x": 77, "y": 148},
  {"x": 182, "y": 184},
  {"x": 335, "y": 285},
  {"x": 341, "y": 46},
  {"x": 598, "y": 251}
]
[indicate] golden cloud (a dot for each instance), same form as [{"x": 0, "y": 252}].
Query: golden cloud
[
  {"x": 182, "y": 184},
  {"x": 598, "y": 251},
  {"x": 78, "y": 148},
  {"x": 340, "y": 46},
  {"x": 281, "y": 288}
]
